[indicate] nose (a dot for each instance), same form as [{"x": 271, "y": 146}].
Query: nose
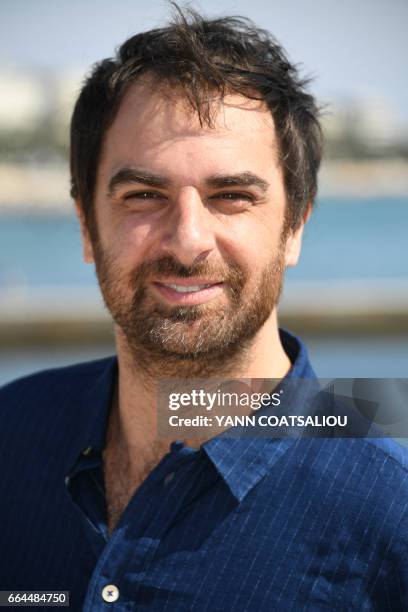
[{"x": 189, "y": 235}]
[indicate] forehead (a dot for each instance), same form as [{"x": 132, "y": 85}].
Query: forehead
[{"x": 154, "y": 124}]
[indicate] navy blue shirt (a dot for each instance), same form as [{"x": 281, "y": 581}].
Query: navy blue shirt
[{"x": 242, "y": 524}]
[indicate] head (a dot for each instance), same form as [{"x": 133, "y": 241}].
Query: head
[{"x": 194, "y": 158}]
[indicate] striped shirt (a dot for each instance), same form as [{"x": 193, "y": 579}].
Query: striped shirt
[{"x": 241, "y": 524}]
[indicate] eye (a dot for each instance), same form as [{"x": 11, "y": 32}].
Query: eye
[
  {"x": 233, "y": 196},
  {"x": 232, "y": 201},
  {"x": 143, "y": 195}
]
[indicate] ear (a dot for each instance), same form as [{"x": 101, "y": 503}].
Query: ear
[
  {"x": 87, "y": 249},
  {"x": 294, "y": 240}
]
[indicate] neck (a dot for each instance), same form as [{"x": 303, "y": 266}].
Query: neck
[{"x": 133, "y": 425}]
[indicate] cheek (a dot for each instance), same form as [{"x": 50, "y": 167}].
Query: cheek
[
  {"x": 253, "y": 242},
  {"x": 130, "y": 239}
]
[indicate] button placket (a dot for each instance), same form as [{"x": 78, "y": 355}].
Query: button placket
[{"x": 144, "y": 549}]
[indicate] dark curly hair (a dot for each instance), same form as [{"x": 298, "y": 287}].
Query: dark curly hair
[{"x": 201, "y": 56}]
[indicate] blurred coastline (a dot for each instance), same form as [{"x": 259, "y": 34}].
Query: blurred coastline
[{"x": 44, "y": 187}]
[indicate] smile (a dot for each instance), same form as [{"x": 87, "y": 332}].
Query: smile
[
  {"x": 185, "y": 294},
  {"x": 188, "y": 288}
]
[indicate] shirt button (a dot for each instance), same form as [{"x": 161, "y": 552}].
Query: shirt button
[
  {"x": 87, "y": 451},
  {"x": 169, "y": 478},
  {"x": 110, "y": 593}
]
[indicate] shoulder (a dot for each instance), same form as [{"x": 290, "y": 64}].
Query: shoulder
[
  {"x": 56, "y": 381},
  {"x": 358, "y": 450},
  {"x": 390, "y": 452},
  {"x": 44, "y": 405},
  {"x": 368, "y": 460},
  {"x": 360, "y": 481}
]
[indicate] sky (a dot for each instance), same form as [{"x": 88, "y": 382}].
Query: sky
[{"x": 352, "y": 48}]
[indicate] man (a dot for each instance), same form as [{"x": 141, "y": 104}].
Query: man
[{"x": 194, "y": 156}]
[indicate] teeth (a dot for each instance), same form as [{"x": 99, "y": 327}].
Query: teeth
[{"x": 183, "y": 289}]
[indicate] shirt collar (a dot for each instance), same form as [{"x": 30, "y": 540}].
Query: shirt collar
[
  {"x": 241, "y": 462},
  {"x": 94, "y": 398}
]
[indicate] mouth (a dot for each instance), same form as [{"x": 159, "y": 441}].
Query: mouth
[{"x": 188, "y": 291}]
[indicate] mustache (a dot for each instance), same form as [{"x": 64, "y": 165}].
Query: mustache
[{"x": 168, "y": 266}]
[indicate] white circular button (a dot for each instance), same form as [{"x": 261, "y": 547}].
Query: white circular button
[{"x": 110, "y": 593}]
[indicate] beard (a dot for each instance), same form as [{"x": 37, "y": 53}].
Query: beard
[{"x": 188, "y": 341}]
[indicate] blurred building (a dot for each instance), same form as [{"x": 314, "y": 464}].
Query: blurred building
[
  {"x": 35, "y": 110},
  {"x": 23, "y": 101},
  {"x": 359, "y": 129}
]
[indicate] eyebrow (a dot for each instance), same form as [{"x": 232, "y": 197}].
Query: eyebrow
[
  {"x": 242, "y": 179},
  {"x": 130, "y": 175},
  {"x": 217, "y": 181}
]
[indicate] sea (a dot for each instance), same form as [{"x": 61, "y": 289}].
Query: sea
[{"x": 358, "y": 240}]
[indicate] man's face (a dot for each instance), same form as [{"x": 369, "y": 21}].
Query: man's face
[{"x": 190, "y": 248}]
